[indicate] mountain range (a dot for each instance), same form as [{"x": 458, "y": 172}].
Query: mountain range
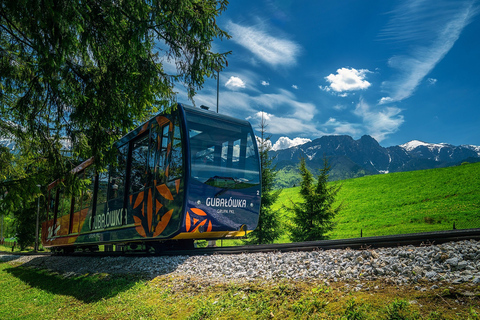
[{"x": 351, "y": 158}]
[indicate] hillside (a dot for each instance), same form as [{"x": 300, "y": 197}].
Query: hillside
[
  {"x": 351, "y": 158},
  {"x": 404, "y": 202}
]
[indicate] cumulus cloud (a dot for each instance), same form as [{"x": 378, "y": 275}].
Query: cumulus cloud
[
  {"x": 265, "y": 83},
  {"x": 274, "y": 51},
  {"x": 348, "y": 80},
  {"x": 286, "y": 142},
  {"x": 265, "y": 144},
  {"x": 381, "y": 122},
  {"x": 235, "y": 83},
  {"x": 294, "y": 86},
  {"x": 429, "y": 28}
]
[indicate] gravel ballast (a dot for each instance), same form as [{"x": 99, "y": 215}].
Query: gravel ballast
[{"x": 453, "y": 262}]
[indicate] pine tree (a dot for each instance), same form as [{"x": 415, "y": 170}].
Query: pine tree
[
  {"x": 268, "y": 228},
  {"x": 313, "y": 217}
]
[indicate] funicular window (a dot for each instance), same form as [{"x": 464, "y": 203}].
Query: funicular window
[
  {"x": 138, "y": 171},
  {"x": 78, "y": 197},
  {"x": 176, "y": 160},
  {"x": 87, "y": 194},
  {"x": 162, "y": 154},
  {"x": 62, "y": 206},
  {"x": 223, "y": 153},
  {"x": 102, "y": 191},
  {"x": 116, "y": 188}
]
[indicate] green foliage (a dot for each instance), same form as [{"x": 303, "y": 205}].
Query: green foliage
[
  {"x": 66, "y": 65},
  {"x": 77, "y": 75},
  {"x": 25, "y": 223},
  {"x": 268, "y": 228},
  {"x": 354, "y": 311},
  {"x": 400, "y": 310},
  {"x": 313, "y": 217}
]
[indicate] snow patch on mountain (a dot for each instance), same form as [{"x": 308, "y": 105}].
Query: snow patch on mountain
[
  {"x": 412, "y": 145},
  {"x": 474, "y": 148}
]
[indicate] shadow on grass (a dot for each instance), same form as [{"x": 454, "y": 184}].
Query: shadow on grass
[{"x": 88, "y": 287}]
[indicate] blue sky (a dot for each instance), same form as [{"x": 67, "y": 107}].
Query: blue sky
[{"x": 396, "y": 70}]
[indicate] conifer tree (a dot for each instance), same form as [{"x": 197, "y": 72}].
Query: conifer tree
[
  {"x": 313, "y": 217},
  {"x": 268, "y": 228}
]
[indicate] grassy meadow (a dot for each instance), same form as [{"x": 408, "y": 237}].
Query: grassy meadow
[
  {"x": 398, "y": 203},
  {"x": 40, "y": 294}
]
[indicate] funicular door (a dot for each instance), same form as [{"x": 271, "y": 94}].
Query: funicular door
[
  {"x": 153, "y": 182},
  {"x": 137, "y": 181}
]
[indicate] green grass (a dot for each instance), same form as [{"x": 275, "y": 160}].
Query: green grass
[
  {"x": 406, "y": 202},
  {"x": 35, "y": 294}
]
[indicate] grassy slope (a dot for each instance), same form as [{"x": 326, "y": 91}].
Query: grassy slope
[
  {"x": 34, "y": 294},
  {"x": 406, "y": 202}
]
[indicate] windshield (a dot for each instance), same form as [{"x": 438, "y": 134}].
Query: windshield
[{"x": 222, "y": 153}]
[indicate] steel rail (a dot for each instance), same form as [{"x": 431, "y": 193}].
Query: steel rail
[{"x": 413, "y": 239}]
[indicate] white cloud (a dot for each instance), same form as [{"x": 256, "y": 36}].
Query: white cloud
[
  {"x": 348, "y": 80},
  {"x": 430, "y": 28},
  {"x": 325, "y": 88},
  {"x": 432, "y": 81},
  {"x": 235, "y": 83},
  {"x": 283, "y": 125},
  {"x": 286, "y": 142},
  {"x": 294, "y": 86},
  {"x": 385, "y": 100},
  {"x": 339, "y": 107},
  {"x": 288, "y": 101},
  {"x": 271, "y": 50},
  {"x": 267, "y": 143},
  {"x": 265, "y": 83},
  {"x": 342, "y": 127},
  {"x": 379, "y": 123}
]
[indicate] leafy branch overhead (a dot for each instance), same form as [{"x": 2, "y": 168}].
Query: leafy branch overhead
[{"x": 85, "y": 72}]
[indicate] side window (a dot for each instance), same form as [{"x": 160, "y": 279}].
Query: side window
[
  {"x": 154, "y": 145},
  {"x": 176, "y": 159},
  {"x": 162, "y": 155},
  {"x": 87, "y": 194},
  {"x": 138, "y": 172},
  {"x": 102, "y": 192},
  {"x": 64, "y": 204},
  {"x": 78, "y": 198},
  {"x": 116, "y": 188}
]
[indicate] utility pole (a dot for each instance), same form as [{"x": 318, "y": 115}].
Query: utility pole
[
  {"x": 38, "y": 222},
  {"x": 218, "y": 82},
  {"x": 1, "y": 234},
  {"x": 218, "y": 86}
]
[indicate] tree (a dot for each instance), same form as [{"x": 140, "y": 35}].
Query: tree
[
  {"x": 313, "y": 217},
  {"x": 77, "y": 75},
  {"x": 268, "y": 228},
  {"x": 85, "y": 72}
]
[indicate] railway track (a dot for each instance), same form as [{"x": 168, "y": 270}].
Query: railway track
[{"x": 415, "y": 239}]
